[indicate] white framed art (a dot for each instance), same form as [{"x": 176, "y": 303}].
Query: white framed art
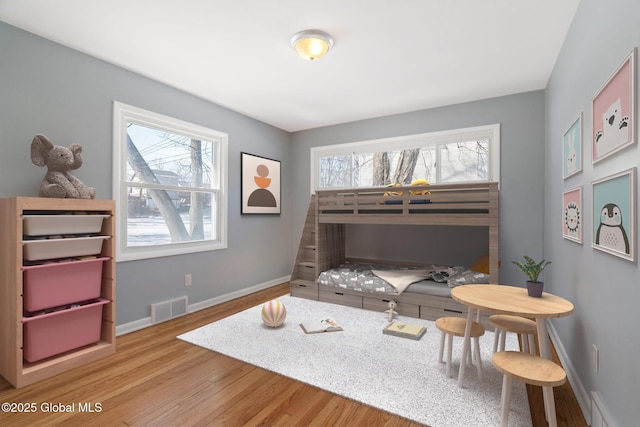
[
  {"x": 572, "y": 215},
  {"x": 613, "y": 111},
  {"x": 260, "y": 188},
  {"x": 614, "y": 214},
  {"x": 572, "y": 149}
]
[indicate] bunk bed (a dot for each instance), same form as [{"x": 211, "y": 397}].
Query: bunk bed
[{"x": 322, "y": 246}]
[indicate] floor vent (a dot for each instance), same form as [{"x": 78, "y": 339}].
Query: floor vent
[{"x": 166, "y": 310}]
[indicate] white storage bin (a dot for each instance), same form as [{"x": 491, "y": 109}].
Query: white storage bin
[
  {"x": 35, "y": 250},
  {"x": 41, "y": 225}
]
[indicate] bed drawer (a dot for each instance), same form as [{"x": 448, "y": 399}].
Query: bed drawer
[
  {"x": 433, "y": 313},
  {"x": 304, "y": 289},
  {"x": 341, "y": 298},
  {"x": 382, "y": 305}
]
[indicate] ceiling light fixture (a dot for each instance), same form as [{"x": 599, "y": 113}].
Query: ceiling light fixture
[{"x": 311, "y": 44}]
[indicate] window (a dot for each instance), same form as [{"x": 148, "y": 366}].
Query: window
[
  {"x": 170, "y": 185},
  {"x": 460, "y": 155}
]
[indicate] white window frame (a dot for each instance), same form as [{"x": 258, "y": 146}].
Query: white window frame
[
  {"x": 489, "y": 132},
  {"x": 123, "y": 114}
]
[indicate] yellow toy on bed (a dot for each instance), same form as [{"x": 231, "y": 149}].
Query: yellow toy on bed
[
  {"x": 415, "y": 183},
  {"x": 419, "y": 183},
  {"x": 393, "y": 193}
]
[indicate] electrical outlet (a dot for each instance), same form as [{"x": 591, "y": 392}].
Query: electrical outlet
[
  {"x": 595, "y": 356},
  {"x": 187, "y": 279}
]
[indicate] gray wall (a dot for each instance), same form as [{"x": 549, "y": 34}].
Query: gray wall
[
  {"x": 522, "y": 182},
  {"x": 605, "y": 289},
  {"x": 68, "y": 96}
]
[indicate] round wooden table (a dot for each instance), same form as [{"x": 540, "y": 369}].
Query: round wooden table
[{"x": 512, "y": 300}]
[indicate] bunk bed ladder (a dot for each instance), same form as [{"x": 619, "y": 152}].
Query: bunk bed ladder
[{"x": 304, "y": 274}]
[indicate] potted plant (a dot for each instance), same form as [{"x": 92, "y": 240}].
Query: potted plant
[{"x": 532, "y": 269}]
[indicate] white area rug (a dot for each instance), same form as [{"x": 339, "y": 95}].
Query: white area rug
[{"x": 394, "y": 374}]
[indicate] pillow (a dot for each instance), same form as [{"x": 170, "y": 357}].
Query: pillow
[{"x": 481, "y": 265}]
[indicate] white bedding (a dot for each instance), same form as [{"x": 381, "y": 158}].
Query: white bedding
[{"x": 402, "y": 279}]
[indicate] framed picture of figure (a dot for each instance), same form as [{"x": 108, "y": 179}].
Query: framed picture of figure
[{"x": 260, "y": 185}]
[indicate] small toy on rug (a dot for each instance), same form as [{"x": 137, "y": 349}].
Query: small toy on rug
[
  {"x": 274, "y": 313},
  {"x": 391, "y": 312},
  {"x": 59, "y": 161}
]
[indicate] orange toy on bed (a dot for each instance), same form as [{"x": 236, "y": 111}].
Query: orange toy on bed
[{"x": 481, "y": 265}]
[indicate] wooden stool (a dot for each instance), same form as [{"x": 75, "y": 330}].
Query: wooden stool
[
  {"x": 451, "y": 326},
  {"x": 530, "y": 369},
  {"x": 525, "y": 328}
]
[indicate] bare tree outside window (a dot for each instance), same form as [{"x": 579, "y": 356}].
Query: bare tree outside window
[
  {"x": 170, "y": 184},
  {"x": 335, "y": 172},
  {"x": 447, "y": 162},
  {"x": 381, "y": 168},
  {"x": 172, "y": 170},
  {"x": 405, "y": 167},
  {"x": 464, "y": 161}
]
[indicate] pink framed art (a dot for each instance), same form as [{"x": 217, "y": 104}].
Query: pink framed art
[{"x": 613, "y": 112}]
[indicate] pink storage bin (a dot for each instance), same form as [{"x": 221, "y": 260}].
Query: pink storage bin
[
  {"x": 46, "y": 335},
  {"x": 52, "y": 285}
]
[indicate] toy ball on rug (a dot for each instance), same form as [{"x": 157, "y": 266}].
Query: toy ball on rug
[{"x": 273, "y": 313}]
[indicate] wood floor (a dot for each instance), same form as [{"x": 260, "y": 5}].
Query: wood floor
[{"x": 155, "y": 379}]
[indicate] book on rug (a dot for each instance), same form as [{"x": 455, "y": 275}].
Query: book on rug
[
  {"x": 323, "y": 325},
  {"x": 405, "y": 330}
]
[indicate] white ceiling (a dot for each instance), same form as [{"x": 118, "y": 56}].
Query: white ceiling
[{"x": 389, "y": 56}]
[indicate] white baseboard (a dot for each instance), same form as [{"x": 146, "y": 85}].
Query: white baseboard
[
  {"x": 584, "y": 400},
  {"x": 599, "y": 414},
  {"x": 133, "y": 326},
  {"x": 192, "y": 308}
]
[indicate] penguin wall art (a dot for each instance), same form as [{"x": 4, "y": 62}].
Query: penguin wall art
[
  {"x": 614, "y": 214},
  {"x": 611, "y": 233}
]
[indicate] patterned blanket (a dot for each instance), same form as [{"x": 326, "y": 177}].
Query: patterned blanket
[{"x": 373, "y": 278}]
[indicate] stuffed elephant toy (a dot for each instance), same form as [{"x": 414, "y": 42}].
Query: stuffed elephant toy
[{"x": 59, "y": 160}]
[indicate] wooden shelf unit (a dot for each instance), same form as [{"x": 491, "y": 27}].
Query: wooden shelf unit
[{"x": 12, "y": 365}]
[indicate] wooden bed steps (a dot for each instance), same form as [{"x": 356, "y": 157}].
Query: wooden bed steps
[
  {"x": 308, "y": 264},
  {"x": 305, "y": 271}
]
